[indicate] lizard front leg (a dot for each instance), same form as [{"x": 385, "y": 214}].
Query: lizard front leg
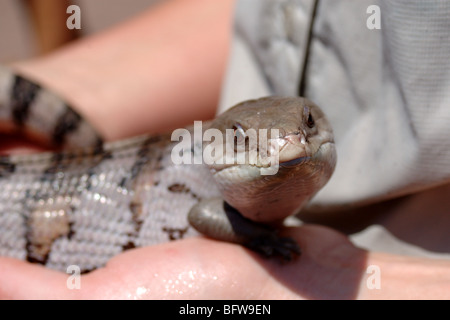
[{"x": 217, "y": 219}]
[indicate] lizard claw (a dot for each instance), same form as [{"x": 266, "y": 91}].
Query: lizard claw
[{"x": 273, "y": 245}]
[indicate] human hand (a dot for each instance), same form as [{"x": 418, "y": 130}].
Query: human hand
[
  {"x": 330, "y": 267},
  {"x": 198, "y": 268}
]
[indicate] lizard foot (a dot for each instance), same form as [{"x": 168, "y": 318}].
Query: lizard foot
[{"x": 273, "y": 245}]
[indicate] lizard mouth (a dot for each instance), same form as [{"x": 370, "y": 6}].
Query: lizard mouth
[
  {"x": 288, "y": 151},
  {"x": 304, "y": 158},
  {"x": 294, "y": 162},
  {"x": 290, "y": 155}
]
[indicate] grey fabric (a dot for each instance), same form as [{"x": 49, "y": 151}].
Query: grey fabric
[
  {"x": 386, "y": 92},
  {"x": 268, "y": 49}
]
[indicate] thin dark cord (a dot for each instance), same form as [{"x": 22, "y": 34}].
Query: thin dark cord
[{"x": 302, "y": 86}]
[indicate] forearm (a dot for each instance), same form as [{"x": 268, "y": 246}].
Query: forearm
[{"x": 155, "y": 72}]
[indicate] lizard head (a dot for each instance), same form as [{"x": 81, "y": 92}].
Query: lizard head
[{"x": 278, "y": 152}]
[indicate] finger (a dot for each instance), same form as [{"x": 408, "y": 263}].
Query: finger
[
  {"x": 199, "y": 268},
  {"x": 23, "y": 280},
  {"x": 329, "y": 267}
]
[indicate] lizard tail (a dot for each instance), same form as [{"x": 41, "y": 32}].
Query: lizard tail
[{"x": 38, "y": 114}]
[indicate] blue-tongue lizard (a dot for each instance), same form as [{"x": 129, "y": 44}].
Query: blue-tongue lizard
[{"x": 93, "y": 200}]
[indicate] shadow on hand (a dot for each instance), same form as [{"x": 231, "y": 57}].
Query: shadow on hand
[{"x": 330, "y": 266}]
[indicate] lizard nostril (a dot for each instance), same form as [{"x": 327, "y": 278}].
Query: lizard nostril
[{"x": 296, "y": 138}]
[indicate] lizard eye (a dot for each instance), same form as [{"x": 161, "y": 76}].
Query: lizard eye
[
  {"x": 310, "y": 121},
  {"x": 239, "y": 135}
]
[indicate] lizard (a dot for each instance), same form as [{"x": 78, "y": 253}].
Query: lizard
[{"x": 91, "y": 200}]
